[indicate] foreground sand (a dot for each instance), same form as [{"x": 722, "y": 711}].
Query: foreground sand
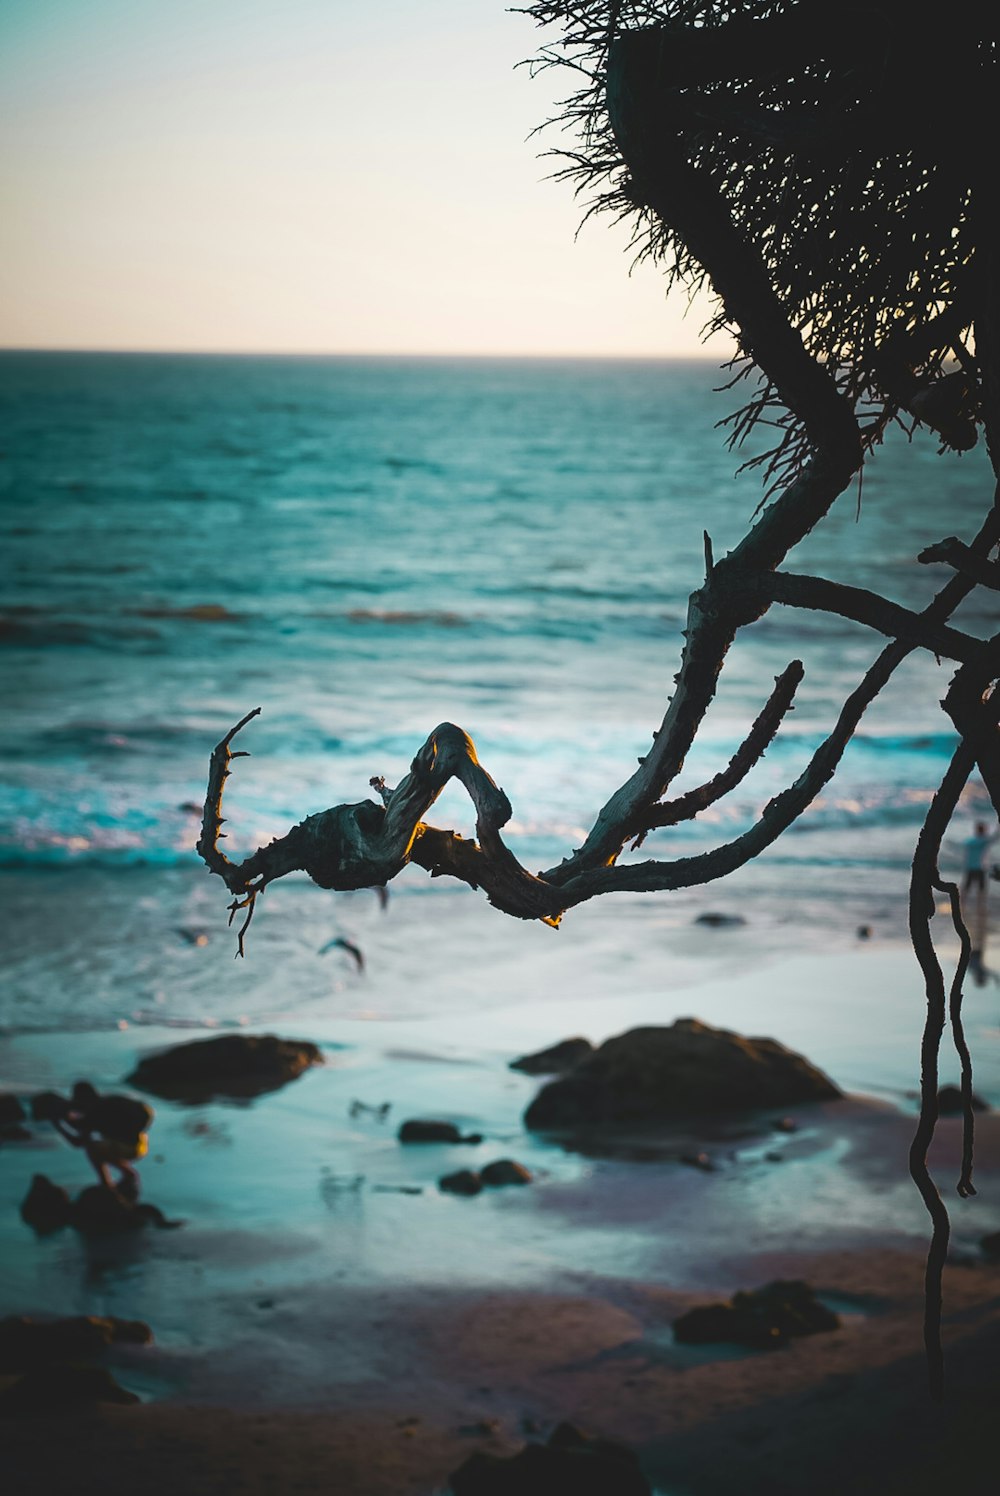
[
  {"x": 405, "y": 1381},
  {"x": 328, "y": 1322},
  {"x": 844, "y": 1412}
]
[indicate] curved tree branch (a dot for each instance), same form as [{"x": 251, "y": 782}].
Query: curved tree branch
[
  {"x": 924, "y": 877},
  {"x": 750, "y": 751},
  {"x": 954, "y": 553},
  {"x": 862, "y": 606}
]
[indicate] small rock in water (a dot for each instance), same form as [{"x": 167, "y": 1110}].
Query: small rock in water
[
  {"x": 229, "y": 1065},
  {"x": 950, "y": 1103},
  {"x": 785, "y": 1124},
  {"x": 555, "y": 1059},
  {"x": 505, "y": 1171},
  {"x": 716, "y": 921},
  {"x": 96, "y": 1211},
  {"x": 700, "y": 1161},
  {"x": 764, "y": 1318},
  {"x": 12, "y": 1113},
  {"x": 421, "y": 1130},
  {"x": 864, "y": 932},
  {"x": 46, "y": 1207},
  {"x": 569, "y": 1462},
  {"x": 463, "y": 1182}
]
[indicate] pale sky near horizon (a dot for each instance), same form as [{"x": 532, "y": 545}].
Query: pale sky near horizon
[{"x": 314, "y": 176}]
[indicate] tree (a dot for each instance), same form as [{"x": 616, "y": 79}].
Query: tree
[{"x": 786, "y": 156}]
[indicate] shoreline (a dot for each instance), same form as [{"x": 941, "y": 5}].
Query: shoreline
[
  {"x": 324, "y": 1294},
  {"x": 847, "y": 1410}
]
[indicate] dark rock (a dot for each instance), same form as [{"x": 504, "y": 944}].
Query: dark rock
[
  {"x": 26, "y": 1342},
  {"x": 46, "y": 1207},
  {"x": 48, "y": 1105},
  {"x": 767, "y": 1317},
  {"x": 60, "y": 1387},
  {"x": 700, "y": 1161},
  {"x": 715, "y": 921},
  {"x": 991, "y": 1244},
  {"x": 463, "y": 1182},
  {"x": 505, "y": 1171},
  {"x": 229, "y": 1065},
  {"x": 556, "y": 1059},
  {"x": 102, "y": 1212},
  {"x": 420, "y": 1130},
  {"x": 570, "y": 1462},
  {"x": 11, "y": 1111},
  {"x": 950, "y": 1102},
  {"x": 95, "y": 1211},
  {"x": 785, "y": 1124},
  {"x": 655, "y": 1074},
  {"x": 864, "y": 932}
]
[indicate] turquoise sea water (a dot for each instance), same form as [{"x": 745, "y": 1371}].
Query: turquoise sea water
[{"x": 365, "y": 547}]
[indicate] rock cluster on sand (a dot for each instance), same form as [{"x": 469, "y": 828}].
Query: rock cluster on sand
[
  {"x": 229, "y": 1065},
  {"x": 569, "y": 1462},
  {"x": 762, "y": 1319},
  {"x": 96, "y": 1211},
  {"x": 26, "y": 1342},
  {"x": 53, "y": 1357},
  {"x": 428, "y": 1130},
  {"x": 688, "y": 1069},
  {"x": 950, "y": 1103},
  {"x": 556, "y": 1059},
  {"x": 62, "y": 1386}
]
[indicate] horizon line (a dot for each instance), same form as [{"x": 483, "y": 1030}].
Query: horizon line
[{"x": 291, "y": 353}]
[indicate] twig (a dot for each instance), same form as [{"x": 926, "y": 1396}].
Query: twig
[
  {"x": 965, "y": 1186},
  {"x": 750, "y": 751},
  {"x": 924, "y": 875}
]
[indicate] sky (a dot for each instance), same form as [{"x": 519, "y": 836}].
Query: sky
[{"x": 301, "y": 176}]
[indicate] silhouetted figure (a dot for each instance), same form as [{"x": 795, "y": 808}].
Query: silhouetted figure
[
  {"x": 112, "y": 1130},
  {"x": 976, "y": 848}
]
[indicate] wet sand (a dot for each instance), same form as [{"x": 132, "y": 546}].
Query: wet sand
[
  {"x": 845, "y": 1411},
  {"x": 327, "y": 1320}
]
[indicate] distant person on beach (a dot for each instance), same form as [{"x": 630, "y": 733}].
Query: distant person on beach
[
  {"x": 976, "y": 848},
  {"x": 112, "y": 1130}
]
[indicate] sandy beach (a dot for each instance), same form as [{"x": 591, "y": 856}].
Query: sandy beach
[{"x": 328, "y": 1319}]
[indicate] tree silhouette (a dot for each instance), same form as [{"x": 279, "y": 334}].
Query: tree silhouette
[{"x": 793, "y": 160}]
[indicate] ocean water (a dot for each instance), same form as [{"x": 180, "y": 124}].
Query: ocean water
[{"x": 366, "y": 547}]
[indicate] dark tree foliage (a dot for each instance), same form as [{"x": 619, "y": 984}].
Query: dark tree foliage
[
  {"x": 825, "y": 172},
  {"x": 844, "y": 142}
]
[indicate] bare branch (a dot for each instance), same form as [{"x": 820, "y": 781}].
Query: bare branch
[
  {"x": 965, "y": 1187},
  {"x": 212, "y": 818},
  {"x": 953, "y": 552},
  {"x": 862, "y": 606},
  {"x": 777, "y": 816},
  {"x": 973, "y": 703},
  {"x": 715, "y": 613},
  {"x": 750, "y": 751},
  {"x": 923, "y": 877}
]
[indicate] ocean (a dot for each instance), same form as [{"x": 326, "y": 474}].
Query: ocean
[{"x": 364, "y": 547}]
